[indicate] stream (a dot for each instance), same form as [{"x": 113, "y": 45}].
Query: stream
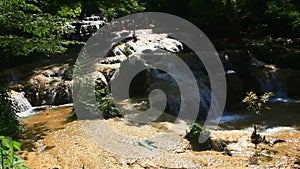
[
  {"x": 284, "y": 110},
  {"x": 280, "y": 115},
  {"x": 40, "y": 86}
]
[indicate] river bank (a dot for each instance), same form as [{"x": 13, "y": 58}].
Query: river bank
[{"x": 50, "y": 140}]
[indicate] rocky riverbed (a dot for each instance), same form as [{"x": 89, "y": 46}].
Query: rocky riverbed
[{"x": 50, "y": 140}]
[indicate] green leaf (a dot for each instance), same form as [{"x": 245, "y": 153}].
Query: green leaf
[
  {"x": 16, "y": 145},
  {"x": 6, "y": 141},
  {"x": 31, "y": 7}
]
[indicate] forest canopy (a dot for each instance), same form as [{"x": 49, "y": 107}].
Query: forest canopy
[{"x": 37, "y": 27}]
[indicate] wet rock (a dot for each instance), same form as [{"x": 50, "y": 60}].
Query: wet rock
[
  {"x": 100, "y": 81},
  {"x": 17, "y": 87},
  {"x": 281, "y": 52},
  {"x": 47, "y": 87},
  {"x": 109, "y": 65},
  {"x": 290, "y": 80},
  {"x": 163, "y": 46},
  {"x": 235, "y": 91},
  {"x": 236, "y": 58},
  {"x": 112, "y": 59},
  {"x": 62, "y": 93},
  {"x": 91, "y": 24},
  {"x": 52, "y": 85}
]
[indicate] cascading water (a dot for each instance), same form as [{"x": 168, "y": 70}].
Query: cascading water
[
  {"x": 53, "y": 95},
  {"x": 61, "y": 93},
  {"x": 269, "y": 82},
  {"x": 19, "y": 102},
  {"x": 168, "y": 84}
]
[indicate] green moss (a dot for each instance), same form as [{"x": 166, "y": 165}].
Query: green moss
[{"x": 197, "y": 131}]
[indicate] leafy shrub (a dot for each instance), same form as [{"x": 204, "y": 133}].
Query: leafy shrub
[
  {"x": 8, "y": 158},
  {"x": 127, "y": 50},
  {"x": 197, "y": 131},
  {"x": 106, "y": 104},
  {"x": 256, "y": 103},
  {"x": 9, "y": 124}
]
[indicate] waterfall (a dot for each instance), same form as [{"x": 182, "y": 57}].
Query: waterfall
[
  {"x": 61, "y": 93},
  {"x": 205, "y": 93},
  {"x": 168, "y": 84},
  {"x": 53, "y": 95},
  {"x": 269, "y": 82},
  {"x": 19, "y": 102}
]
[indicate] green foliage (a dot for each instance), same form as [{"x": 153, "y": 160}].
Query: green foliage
[
  {"x": 79, "y": 8},
  {"x": 30, "y": 26},
  {"x": 106, "y": 104},
  {"x": 69, "y": 11},
  {"x": 235, "y": 19},
  {"x": 25, "y": 29},
  {"x": 256, "y": 103},
  {"x": 8, "y": 158},
  {"x": 285, "y": 11},
  {"x": 273, "y": 17},
  {"x": 197, "y": 131},
  {"x": 9, "y": 124},
  {"x": 127, "y": 50},
  {"x": 119, "y": 8}
]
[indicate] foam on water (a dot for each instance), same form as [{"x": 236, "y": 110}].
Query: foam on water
[
  {"x": 39, "y": 109},
  {"x": 31, "y": 111},
  {"x": 278, "y": 129}
]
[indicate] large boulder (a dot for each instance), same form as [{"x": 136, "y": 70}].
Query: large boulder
[
  {"x": 235, "y": 91},
  {"x": 150, "y": 42},
  {"x": 282, "y": 52},
  {"x": 138, "y": 53},
  {"x": 236, "y": 58},
  {"x": 48, "y": 87},
  {"x": 108, "y": 66}
]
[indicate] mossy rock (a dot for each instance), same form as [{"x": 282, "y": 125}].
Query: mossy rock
[{"x": 196, "y": 132}]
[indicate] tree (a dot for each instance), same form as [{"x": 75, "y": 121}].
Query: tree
[
  {"x": 255, "y": 105},
  {"x": 31, "y": 27},
  {"x": 263, "y": 18},
  {"x": 284, "y": 16},
  {"x": 25, "y": 29},
  {"x": 82, "y": 8},
  {"x": 112, "y": 9}
]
